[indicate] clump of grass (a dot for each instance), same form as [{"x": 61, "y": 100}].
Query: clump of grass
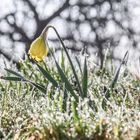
[{"x": 69, "y": 101}]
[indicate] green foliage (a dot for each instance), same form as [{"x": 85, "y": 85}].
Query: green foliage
[
  {"x": 74, "y": 104},
  {"x": 58, "y": 115},
  {"x": 85, "y": 78},
  {"x": 47, "y": 75}
]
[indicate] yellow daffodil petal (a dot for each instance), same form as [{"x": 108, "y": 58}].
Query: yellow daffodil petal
[{"x": 38, "y": 49}]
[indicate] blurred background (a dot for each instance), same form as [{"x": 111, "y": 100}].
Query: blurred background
[{"x": 89, "y": 25}]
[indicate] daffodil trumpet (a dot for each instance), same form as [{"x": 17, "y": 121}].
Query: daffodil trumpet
[{"x": 38, "y": 50}]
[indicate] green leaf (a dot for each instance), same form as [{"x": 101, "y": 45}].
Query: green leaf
[
  {"x": 65, "y": 80},
  {"x": 118, "y": 71},
  {"x": 78, "y": 62},
  {"x": 41, "y": 88},
  {"x": 65, "y": 100},
  {"x": 12, "y": 78},
  {"x": 70, "y": 61},
  {"x": 21, "y": 78},
  {"x": 85, "y": 78},
  {"x": 14, "y": 73},
  {"x": 75, "y": 111},
  {"x": 47, "y": 75},
  {"x": 115, "y": 79},
  {"x": 62, "y": 60}
]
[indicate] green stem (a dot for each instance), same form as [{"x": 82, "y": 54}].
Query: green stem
[{"x": 44, "y": 33}]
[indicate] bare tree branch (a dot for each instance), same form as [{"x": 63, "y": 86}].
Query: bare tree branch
[
  {"x": 96, "y": 22},
  {"x": 33, "y": 9},
  {"x": 56, "y": 13}
]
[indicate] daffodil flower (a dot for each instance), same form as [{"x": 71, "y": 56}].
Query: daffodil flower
[{"x": 38, "y": 49}]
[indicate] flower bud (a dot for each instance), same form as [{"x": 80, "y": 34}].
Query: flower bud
[{"x": 38, "y": 49}]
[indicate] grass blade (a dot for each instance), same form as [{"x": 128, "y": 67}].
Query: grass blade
[
  {"x": 21, "y": 78},
  {"x": 74, "y": 110},
  {"x": 70, "y": 61},
  {"x": 14, "y": 73},
  {"x": 115, "y": 79},
  {"x": 41, "y": 88},
  {"x": 78, "y": 62},
  {"x": 65, "y": 80},
  {"x": 47, "y": 75},
  {"x": 85, "y": 78},
  {"x": 118, "y": 71},
  {"x": 11, "y": 78},
  {"x": 62, "y": 61}
]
